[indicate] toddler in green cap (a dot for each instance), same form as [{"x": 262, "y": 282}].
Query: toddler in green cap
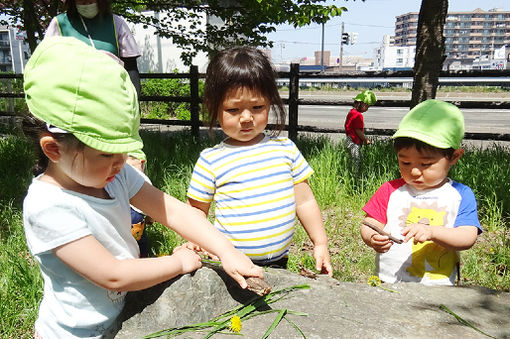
[
  {"x": 355, "y": 126},
  {"x": 418, "y": 223},
  {"x": 76, "y": 214}
]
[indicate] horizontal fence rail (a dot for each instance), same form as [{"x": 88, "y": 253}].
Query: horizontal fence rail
[{"x": 294, "y": 78}]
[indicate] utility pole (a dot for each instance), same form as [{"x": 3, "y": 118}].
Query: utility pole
[
  {"x": 341, "y": 47},
  {"x": 322, "y": 50}
]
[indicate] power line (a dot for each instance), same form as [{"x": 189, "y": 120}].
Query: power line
[
  {"x": 331, "y": 25},
  {"x": 326, "y": 43}
]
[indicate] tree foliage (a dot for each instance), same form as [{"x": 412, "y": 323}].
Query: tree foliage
[{"x": 246, "y": 21}]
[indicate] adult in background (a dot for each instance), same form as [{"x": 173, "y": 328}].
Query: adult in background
[
  {"x": 93, "y": 22},
  {"x": 355, "y": 127}
]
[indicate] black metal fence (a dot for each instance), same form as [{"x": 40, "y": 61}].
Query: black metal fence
[{"x": 293, "y": 78}]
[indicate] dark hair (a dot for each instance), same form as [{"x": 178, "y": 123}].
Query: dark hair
[
  {"x": 241, "y": 67},
  {"x": 356, "y": 104},
  {"x": 405, "y": 142},
  {"x": 34, "y": 128},
  {"x": 102, "y": 5}
]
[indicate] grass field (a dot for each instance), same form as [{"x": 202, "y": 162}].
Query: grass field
[{"x": 340, "y": 196}]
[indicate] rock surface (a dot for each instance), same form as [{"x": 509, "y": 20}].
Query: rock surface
[{"x": 335, "y": 309}]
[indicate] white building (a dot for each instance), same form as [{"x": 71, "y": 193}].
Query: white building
[
  {"x": 14, "y": 51},
  {"x": 160, "y": 55},
  {"x": 390, "y": 57}
]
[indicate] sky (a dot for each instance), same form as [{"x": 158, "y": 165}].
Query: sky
[{"x": 371, "y": 19}]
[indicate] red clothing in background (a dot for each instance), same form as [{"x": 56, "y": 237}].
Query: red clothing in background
[{"x": 354, "y": 121}]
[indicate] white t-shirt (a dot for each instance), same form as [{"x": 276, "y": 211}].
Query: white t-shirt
[
  {"x": 72, "y": 306},
  {"x": 396, "y": 205}
]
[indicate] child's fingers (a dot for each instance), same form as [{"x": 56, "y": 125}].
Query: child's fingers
[
  {"x": 326, "y": 268},
  {"x": 322, "y": 261},
  {"x": 190, "y": 260}
]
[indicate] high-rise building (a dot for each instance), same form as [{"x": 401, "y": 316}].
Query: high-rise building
[
  {"x": 470, "y": 37},
  {"x": 14, "y": 52}
]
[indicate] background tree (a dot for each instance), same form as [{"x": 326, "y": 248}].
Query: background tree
[
  {"x": 247, "y": 21},
  {"x": 430, "y": 48}
]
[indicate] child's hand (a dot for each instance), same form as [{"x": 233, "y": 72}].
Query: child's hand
[
  {"x": 380, "y": 243},
  {"x": 420, "y": 232},
  {"x": 190, "y": 260},
  {"x": 238, "y": 266},
  {"x": 322, "y": 261},
  {"x": 194, "y": 247}
]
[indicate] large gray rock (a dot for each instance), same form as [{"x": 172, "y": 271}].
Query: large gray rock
[{"x": 335, "y": 309}]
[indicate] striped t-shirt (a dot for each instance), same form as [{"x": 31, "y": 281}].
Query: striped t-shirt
[{"x": 253, "y": 191}]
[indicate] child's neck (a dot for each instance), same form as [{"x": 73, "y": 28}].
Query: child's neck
[{"x": 254, "y": 141}]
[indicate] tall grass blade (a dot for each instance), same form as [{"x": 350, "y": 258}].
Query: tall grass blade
[
  {"x": 463, "y": 321},
  {"x": 275, "y": 323}
]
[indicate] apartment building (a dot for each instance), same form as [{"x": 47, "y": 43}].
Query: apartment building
[
  {"x": 14, "y": 52},
  {"x": 471, "y": 38}
]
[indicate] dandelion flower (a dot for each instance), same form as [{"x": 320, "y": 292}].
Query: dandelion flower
[
  {"x": 235, "y": 324},
  {"x": 374, "y": 281},
  {"x": 491, "y": 250}
]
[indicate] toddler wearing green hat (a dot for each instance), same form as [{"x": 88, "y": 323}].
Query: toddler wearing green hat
[
  {"x": 418, "y": 223},
  {"x": 355, "y": 126},
  {"x": 84, "y": 120}
]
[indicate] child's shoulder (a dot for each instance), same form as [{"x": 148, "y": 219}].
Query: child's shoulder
[
  {"x": 389, "y": 187},
  {"x": 280, "y": 140},
  {"x": 460, "y": 187}
]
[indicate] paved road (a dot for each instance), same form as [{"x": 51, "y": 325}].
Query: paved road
[{"x": 476, "y": 120}]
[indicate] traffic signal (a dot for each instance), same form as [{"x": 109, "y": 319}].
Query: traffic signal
[
  {"x": 354, "y": 36},
  {"x": 345, "y": 38}
]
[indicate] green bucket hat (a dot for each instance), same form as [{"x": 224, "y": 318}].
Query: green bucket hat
[
  {"x": 83, "y": 91},
  {"x": 435, "y": 122},
  {"x": 367, "y": 96}
]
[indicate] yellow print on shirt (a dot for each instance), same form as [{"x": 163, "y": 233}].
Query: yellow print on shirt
[{"x": 430, "y": 259}]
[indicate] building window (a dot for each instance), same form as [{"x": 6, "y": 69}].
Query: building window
[{"x": 400, "y": 61}]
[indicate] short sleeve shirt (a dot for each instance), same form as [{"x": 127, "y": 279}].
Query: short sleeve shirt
[
  {"x": 354, "y": 121},
  {"x": 253, "y": 191},
  {"x": 396, "y": 205},
  {"x": 72, "y": 306},
  {"x": 125, "y": 41}
]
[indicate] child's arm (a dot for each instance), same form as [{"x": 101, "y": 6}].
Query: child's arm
[
  {"x": 457, "y": 238},
  {"x": 380, "y": 243},
  {"x": 191, "y": 225},
  {"x": 204, "y": 207},
  {"x": 89, "y": 258},
  {"x": 309, "y": 215},
  {"x": 361, "y": 135}
]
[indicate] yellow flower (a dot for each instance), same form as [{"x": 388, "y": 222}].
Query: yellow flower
[
  {"x": 374, "y": 281},
  {"x": 235, "y": 324},
  {"x": 491, "y": 250}
]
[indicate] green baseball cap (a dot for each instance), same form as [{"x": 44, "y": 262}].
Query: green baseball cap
[
  {"x": 367, "y": 96},
  {"x": 83, "y": 91},
  {"x": 435, "y": 122}
]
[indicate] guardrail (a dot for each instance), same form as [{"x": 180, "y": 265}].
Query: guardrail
[{"x": 294, "y": 78}]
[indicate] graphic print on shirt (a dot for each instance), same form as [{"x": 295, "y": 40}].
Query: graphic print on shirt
[{"x": 429, "y": 259}]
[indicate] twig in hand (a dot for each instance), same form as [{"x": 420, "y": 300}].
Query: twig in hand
[{"x": 380, "y": 231}]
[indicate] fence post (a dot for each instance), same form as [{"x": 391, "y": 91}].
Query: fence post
[
  {"x": 195, "y": 99},
  {"x": 293, "y": 101}
]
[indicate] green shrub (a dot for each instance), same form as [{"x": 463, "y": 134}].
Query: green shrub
[
  {"x": 166, "y": 87},
  {"x": 16, "y": 161}
]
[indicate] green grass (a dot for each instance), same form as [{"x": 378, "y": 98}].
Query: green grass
[{"x": 339, "y": 194}]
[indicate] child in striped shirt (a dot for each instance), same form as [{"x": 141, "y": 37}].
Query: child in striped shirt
[{"x": 258, "y": 182}]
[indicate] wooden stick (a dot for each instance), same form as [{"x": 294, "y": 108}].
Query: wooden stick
[{"x": 380, "y": 231}]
